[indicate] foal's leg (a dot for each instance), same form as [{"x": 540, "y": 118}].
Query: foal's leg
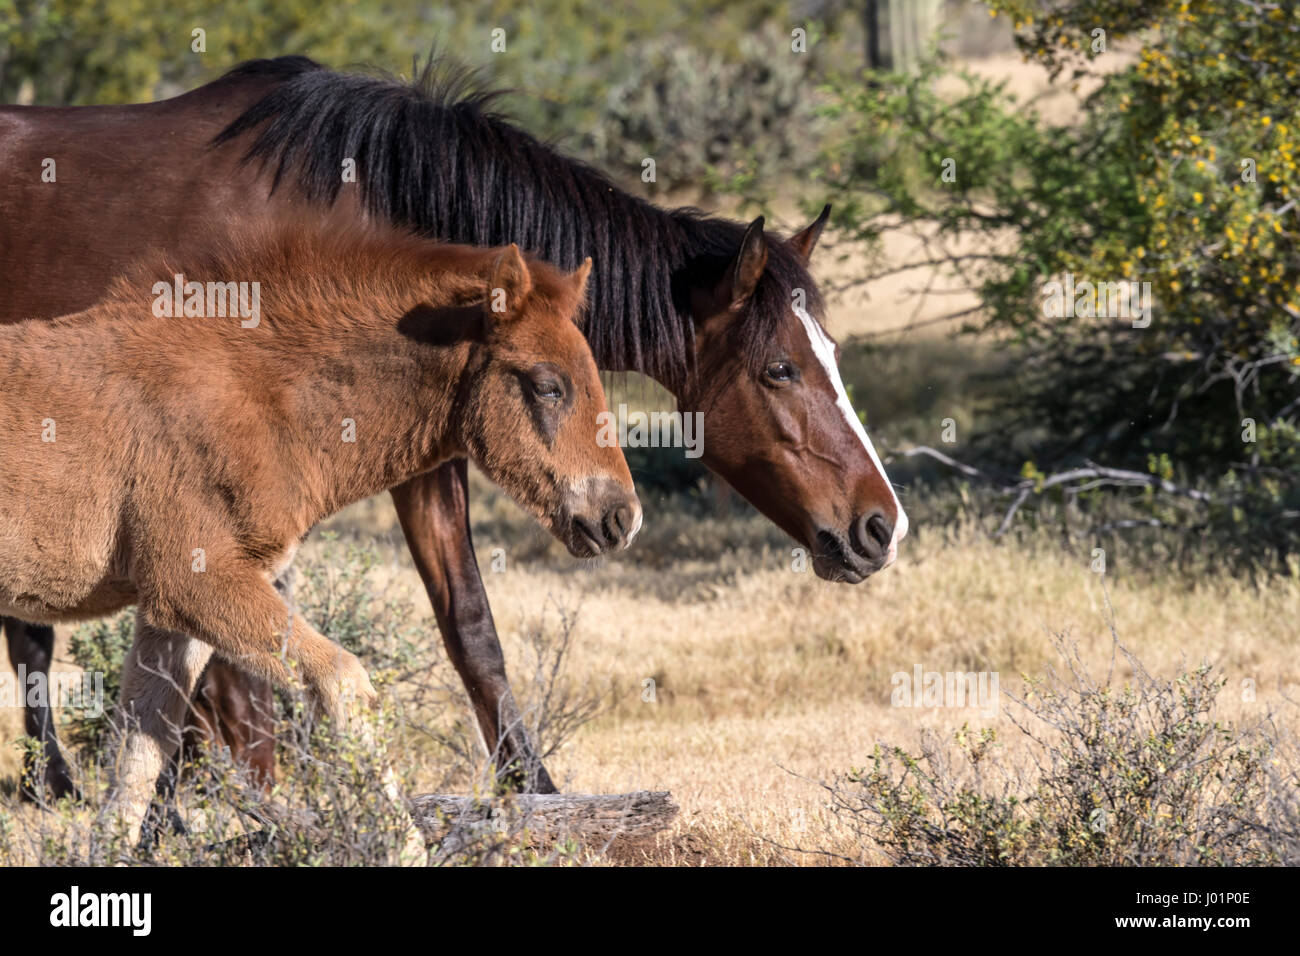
[
  {"x": 158, "y": 679},
  {"x": 32, "y": 647},
  {"x": 229, "y": 708},
  {"x": 434, "y": 511},
  {"x": 239, "y": 614},
  {"x": 234, "y": 709}
]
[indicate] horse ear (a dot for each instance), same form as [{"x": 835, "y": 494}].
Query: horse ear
[
  {"x": 805, "y": 241},
  {"x": 510, "y": 279},
  {"x": 746, "y": 268},
  {"x": 578, "y": 277}
]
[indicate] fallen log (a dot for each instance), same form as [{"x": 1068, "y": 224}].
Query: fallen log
[{"x": 454, "y": 822}]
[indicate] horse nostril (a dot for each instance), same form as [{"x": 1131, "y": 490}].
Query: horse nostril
[
  {"x": 872, "y": 534},
  {"x": 880, "y": 529},
  {"x": 617, "y": 524}
]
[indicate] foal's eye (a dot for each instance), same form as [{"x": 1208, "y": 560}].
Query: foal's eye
[
  {"x": 546, "y": 386},
  {"x": 548, "y": 391},
  {"x": 779, "y": 373},
  {"x": 547, "y": 383}
]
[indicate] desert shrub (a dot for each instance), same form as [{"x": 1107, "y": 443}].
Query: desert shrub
[
  {"x": 553, "y": 705},
  {"x": 100, "y": 647},
  {"x": 1138, "y": 773},
  {"x": 703, "y": 115},
  {"x": 120, "y": 51},
  {"x": 337, "y": 590}
]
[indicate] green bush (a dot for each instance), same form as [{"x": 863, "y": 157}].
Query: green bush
[
  {"x": 1181, "y": 173},
  {"x": 100, "y": 647},
  {"x": 704, "y": 116}
]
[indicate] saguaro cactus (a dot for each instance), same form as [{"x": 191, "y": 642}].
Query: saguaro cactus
[{"x": 897, "y": 31}]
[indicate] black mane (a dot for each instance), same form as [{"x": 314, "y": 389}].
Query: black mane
[{"x": 432, "y": 155}]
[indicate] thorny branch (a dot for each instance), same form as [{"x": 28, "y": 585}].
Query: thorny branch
[{"x": 1075, "y": 480}]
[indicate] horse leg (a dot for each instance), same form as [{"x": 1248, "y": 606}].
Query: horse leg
[
  {"x": 229, "y": 708},
  {"x": 237, "y": 711},
  {"x": 240, "y": 616},
  {"x": 158, "y": 680},
  {"x": 434, "y": 511},
  {"x": 31, "y": 646}
]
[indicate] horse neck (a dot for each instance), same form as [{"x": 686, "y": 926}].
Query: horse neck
[
  {"x": 354, "y": 406},
  {"x": 380, "y": 408},
  {"x": 633, "y": 320}
]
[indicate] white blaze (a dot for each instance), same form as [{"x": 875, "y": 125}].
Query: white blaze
[{"x": 825, "y": 351}]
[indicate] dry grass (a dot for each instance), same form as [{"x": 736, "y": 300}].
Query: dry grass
[
  {"x": 769, "y": 680},
  {"x": 770, "y": 669}
]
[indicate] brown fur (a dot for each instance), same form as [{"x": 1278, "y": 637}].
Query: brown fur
[{"x": 178, "y": 434}]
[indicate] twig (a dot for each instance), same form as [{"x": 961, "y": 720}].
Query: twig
[{"x": 1096, "y": 475}]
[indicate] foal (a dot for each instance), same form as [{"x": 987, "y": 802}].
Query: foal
[{"x": 177, "y": 462}]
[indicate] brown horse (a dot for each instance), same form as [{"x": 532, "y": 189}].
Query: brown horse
[
  {"x": 725, "y": 315},
  {"x": 181, "y": 480}
]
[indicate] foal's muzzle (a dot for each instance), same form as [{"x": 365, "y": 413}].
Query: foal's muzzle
[{"x": 604, "y": 517}]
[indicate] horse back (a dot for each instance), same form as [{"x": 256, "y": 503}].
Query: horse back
[{"x": 84, "y": 191}]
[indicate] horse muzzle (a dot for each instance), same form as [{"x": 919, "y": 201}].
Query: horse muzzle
[
  {"x": 868, "y": 545},
  {"x": 604, "y": 518}
]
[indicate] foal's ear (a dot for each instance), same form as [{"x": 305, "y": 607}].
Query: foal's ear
[
  {"x": 578, "y": 278},
  {"x": 806, "y": 240},
  {"x": 744, "y": 271},
  {"x": 510, "y": 281}
]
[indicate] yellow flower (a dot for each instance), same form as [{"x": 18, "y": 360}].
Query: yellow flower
[{"x": 1198, "y": 197}]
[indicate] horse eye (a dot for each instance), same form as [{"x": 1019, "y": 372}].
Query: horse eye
[
  {"x": 548, "y": 390},
  {"x": 547, "y": 383},
  {"x": 779, "y": 373}
]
